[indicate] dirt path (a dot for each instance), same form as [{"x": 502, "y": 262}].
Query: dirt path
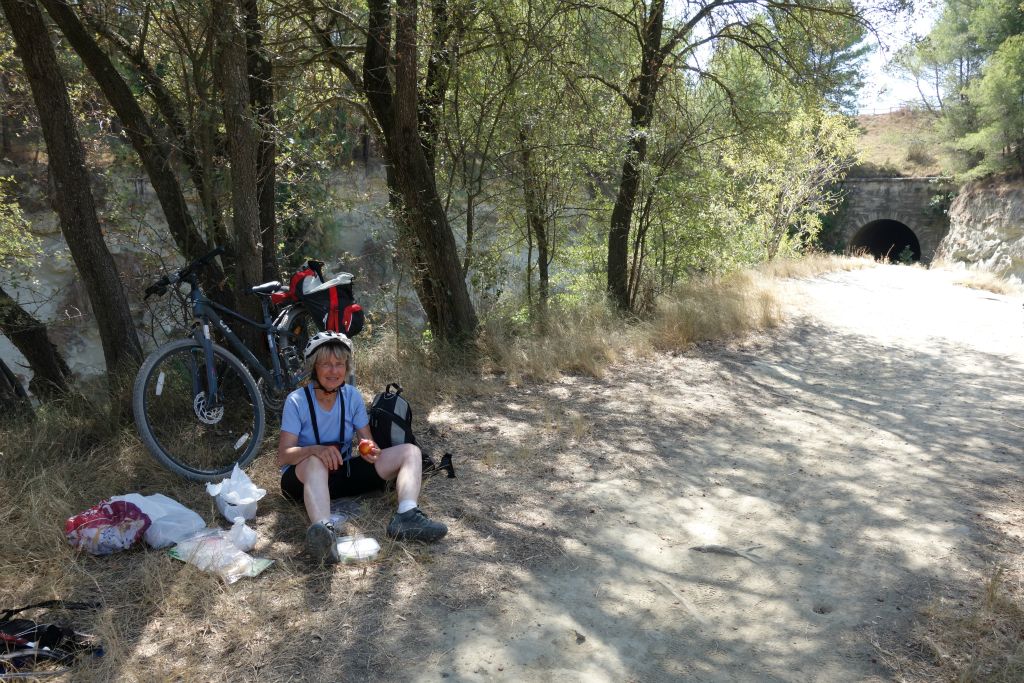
[{"x": 860, "y": 445}]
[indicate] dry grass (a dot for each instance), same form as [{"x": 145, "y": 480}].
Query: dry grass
[
  {"x": 902, "y": 143},
  {"x": 737, "y": 304},
  {"x": 584, "y": 340},
  {"x": 813, "y": 265},
  {"x": 715, "y": 309},
  {"x": 163, "y": 620},
  {"x": 976, "y": 278},
  {"x": 990, "y": 282},
  {"x": 971, "y": 639}
]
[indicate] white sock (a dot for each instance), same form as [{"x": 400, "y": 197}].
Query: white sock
[{"x": 405, "y": 505}]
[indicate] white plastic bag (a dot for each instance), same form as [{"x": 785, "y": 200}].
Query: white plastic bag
[
  {"x": 236, "y": 496},
  {"x": 242, "y": 535},
  {"x": 171, "y": 521},
  {"x": 212, "y": 551}
]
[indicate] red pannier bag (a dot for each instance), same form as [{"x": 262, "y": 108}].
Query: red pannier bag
[
  {"x": 333, "y": 304},
  {"x": 294, "y": 287},
  {"x": 107, "y": 527}
]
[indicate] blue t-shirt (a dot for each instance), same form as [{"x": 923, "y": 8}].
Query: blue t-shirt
[{"x": 295, "y": 419}]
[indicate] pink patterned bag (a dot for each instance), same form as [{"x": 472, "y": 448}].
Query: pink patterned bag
[{"x": 107, "y": 527}]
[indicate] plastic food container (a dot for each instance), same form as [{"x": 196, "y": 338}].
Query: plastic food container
[{"x": 355, "y": 548}]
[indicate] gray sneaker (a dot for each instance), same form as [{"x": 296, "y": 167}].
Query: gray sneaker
[
  {"x": 322, "y": 543},
  {"x": 415, "y": 526}
]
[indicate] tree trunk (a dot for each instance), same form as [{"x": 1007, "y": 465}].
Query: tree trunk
[
  {"x": 14, "y": 402},
  {"x": 467, "y": 258},
  {"x": 456, "y": 320},
  {"x": 435, "y": 86},
  {"x": 635, "y": 280},
  {"x": 377, "y": 86},
  {"x": 261, "y": 92},
  {"x": 535, "y": 221},
  {"x": 6, "y": 149},
  {"x": 407, "y": 146},
  {"x": 622, "y": 217},
  {"x": 412, "y": 255},
  {"x": 74, "y": 201},
  {"x": 153, "y": 152},
  {"x": 641, "y": 112},
  {"x": 5, "y": 135},
  {"x": 50, "y": 374},
  {"x": 243, "y": 151}
]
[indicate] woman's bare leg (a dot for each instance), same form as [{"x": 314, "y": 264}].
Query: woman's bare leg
[{"x": 315, "y": 491}]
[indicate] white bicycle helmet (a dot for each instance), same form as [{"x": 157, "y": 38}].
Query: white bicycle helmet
[{"x": 321, "y": 338}]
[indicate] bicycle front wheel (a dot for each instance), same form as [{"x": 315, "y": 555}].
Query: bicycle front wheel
[{"x": 197, "y": 436}]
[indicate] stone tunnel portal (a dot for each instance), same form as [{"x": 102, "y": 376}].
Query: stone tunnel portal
[{"x": 887, "y": 239}]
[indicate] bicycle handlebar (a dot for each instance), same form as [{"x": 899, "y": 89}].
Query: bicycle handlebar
[{"x": 160, "y": 286}]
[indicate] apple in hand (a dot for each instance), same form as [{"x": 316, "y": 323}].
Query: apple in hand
[{"x": 365, "y": 447}]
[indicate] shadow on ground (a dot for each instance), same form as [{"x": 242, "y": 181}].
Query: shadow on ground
[{"x": 859, "y": 468}]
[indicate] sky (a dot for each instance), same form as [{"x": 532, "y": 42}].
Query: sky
[{"x": 883, "y": 92}]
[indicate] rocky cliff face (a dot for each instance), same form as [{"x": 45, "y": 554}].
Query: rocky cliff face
[{"x": 987, "y": 228}]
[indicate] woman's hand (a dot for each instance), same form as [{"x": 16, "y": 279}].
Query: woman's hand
[
  {"x": 330, "y": 456},
  {"x": 289, "y": 452},
  {"x": 368, "y": 450}
]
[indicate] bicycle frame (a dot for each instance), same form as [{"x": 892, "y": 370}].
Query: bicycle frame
[{"x": 205, "y": 311}]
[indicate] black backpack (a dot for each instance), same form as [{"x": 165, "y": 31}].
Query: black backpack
[{"x": 391, "y": 425}]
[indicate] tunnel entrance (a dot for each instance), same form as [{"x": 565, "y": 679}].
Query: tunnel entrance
[{"x": 889, "y": 240}]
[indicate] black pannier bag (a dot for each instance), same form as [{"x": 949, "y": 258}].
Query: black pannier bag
[
  {"x": 333, "y": 303},
  {"x": 391, "y": 425}
]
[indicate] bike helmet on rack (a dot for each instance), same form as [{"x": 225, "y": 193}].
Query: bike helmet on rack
[{"x": 321, "y": 338}]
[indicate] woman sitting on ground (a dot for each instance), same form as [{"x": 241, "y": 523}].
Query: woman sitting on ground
[{"x": 315, "y": 452}]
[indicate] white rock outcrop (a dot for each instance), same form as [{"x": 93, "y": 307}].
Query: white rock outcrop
[{"x": 986, "y": 228}]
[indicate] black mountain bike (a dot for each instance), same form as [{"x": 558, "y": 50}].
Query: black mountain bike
[{"x": 198, "y": 408}]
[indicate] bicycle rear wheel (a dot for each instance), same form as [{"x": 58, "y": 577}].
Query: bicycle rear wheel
[
  {"x": 302, "y": 327},
  {"x": 187, "y": 433}
]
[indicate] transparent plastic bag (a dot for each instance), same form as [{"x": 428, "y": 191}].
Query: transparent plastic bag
[
  {"x": 212, "y": 551},
  {"x": 242, "y": 535},
  {"x": 343, "y": 509}
]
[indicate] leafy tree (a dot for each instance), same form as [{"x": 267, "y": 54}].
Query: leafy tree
[
  {"x": 73, "y": 197},
  {"x": 834, "y": 53},
  {"x": 970, "y": 63},
  {"x": 401, "y": 102},
  {"x": 738, "y": 172},
  {"x": 664, "y": 46},
  {"x": 513, "y": 132},
  {"x": 788, "y": 181},
  {"x": 999, "y": 98},
  {"x": 153, "y": 150},
  {"x": 187, "y": 59}
]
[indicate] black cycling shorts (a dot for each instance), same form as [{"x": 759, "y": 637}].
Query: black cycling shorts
[{"x": 362, "y": 479}]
